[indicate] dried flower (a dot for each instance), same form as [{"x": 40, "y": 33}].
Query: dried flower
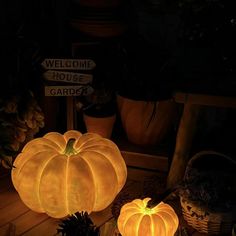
[{"x": 20, "y": 119}]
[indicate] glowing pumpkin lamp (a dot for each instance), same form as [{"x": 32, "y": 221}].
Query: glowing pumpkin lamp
[
  {"x": 136, "y": 219},
  {"x": 63, "y": 174}
]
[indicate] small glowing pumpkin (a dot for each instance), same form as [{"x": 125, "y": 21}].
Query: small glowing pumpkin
[
  {"x": 63, "y": 174},
  {"x": 136, "y": 219}
]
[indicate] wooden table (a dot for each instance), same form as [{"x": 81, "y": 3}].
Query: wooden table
[{"x": 187, "y": 126}]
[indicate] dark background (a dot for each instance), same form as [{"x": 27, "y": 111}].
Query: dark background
[{"x": 176, "y": 45}]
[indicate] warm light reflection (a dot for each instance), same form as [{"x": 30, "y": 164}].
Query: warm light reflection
[
  {"x": 63, "y": 174},
  {"x": 136, "y": 219}
]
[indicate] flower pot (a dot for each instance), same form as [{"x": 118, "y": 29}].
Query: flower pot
[
  {"x": 100, "y": 125},
  {"x": 146, "y": 123}
]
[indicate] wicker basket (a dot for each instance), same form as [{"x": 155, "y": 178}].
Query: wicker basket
[
  {"x": 205, "y": 221},
  {"x": 212, "y": 222}
]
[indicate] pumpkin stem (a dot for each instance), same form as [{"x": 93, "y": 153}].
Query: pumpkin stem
[
  {"x": 69, "y": 150},
  {"x": 148, "y": 210}
]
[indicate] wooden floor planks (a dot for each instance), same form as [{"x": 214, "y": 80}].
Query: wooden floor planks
[
  {"x": 47, "y": 227},
  {"x": 8, "y": 197},
  {"x": 17, "y": 219},
  {"x": 27, "y": 221},
  {"x": 12, "y": 212}
]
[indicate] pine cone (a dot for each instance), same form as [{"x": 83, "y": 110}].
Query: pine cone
[{"x": 79, "y": 224}]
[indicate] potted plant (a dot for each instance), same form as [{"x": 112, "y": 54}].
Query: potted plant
[
  {"x": 145, "y": 86},
  {"x": 99, "y": 108},
  {"x": 144, "y": 93},
  {"x": 99, "y": 111}
]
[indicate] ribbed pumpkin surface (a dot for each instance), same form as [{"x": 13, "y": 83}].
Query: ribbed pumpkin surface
[
  {"x": 60, "y": 179},
  {"x": 136, "y": 219}
]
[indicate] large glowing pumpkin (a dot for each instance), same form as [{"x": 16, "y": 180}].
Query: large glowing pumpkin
[
  {"x": 63, "y": 174},
  {"x": 136, "y": 219}
]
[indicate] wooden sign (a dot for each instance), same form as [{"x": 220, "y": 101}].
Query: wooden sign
[
  {"x": 81, "y": 90},
  {"x": 68, "y": 77},
  {"x": 68, "y": 64}
]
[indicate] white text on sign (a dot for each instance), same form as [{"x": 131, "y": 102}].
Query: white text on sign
[
  {"x": 68, "y": 64},
  {"x": 69, "y": 77},
  {"x": 68, "y": 90}
]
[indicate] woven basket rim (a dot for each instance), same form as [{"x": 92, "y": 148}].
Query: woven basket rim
[
  {"x": 206, "y": 152},
  {"x": 183, "y": 193},
  {"x": 196, "y": 204}
]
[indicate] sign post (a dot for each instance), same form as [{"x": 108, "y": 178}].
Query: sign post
[
  {"x": 64, "y": 91},
  {"x": 68, "y": 64},
  {"x": 67, "y": 77},
  {"x": 66, "y": 71}
]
